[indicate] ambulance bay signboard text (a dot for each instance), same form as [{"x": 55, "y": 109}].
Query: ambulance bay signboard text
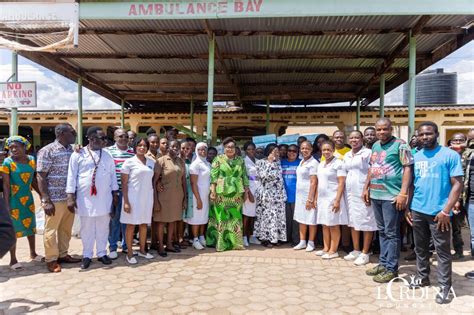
[{"x": 18, "y": 94}]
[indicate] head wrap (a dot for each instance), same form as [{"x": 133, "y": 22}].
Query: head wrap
[
  {"x": 198, "y": 147},
  {"x": 18, "y": 139}
]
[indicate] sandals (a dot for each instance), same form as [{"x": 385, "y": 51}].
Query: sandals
[
  {"x": 17, "y": 267},
  {"x": 38, "y": 258}
]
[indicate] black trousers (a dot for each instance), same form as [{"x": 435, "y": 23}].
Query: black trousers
[
  {"x": 7, "y": 234},
  {"x": 457, "y": 221},
  {"x": 292, "y": 227},
  {"x": 422, "y": 226}
]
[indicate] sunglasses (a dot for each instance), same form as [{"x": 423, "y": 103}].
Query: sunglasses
[
  {"x": 123, "y": 137},
  {"x": 98, "y": 138},
  {"x": 294, "y": 151}
]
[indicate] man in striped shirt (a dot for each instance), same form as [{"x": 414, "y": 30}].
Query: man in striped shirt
[{"x": 120, "y": 151}]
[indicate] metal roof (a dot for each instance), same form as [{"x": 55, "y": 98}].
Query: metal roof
[{"x": 301, "y": 60}]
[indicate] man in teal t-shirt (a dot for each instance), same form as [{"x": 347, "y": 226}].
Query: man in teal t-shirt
[
  {"x": 437, "y": 185},
  {"x": 387, "y": 190}
]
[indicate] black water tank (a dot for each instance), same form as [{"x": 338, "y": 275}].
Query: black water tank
[{"x": 434, "y": 87}]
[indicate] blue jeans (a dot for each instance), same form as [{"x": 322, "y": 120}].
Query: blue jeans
[
  {"x": 470, "y": 216},
  {"x": 116, "y": 227},
  {"x": 388, "y": 223}
]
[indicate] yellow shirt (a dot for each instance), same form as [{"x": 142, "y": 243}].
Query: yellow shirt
[{"x": 339, "y": 153}]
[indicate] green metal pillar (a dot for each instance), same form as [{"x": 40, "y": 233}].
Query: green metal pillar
[
  {"x": 210, "y": 90},
  {"x": 122, "y": 113},
  {"x": 382, "y": 96},
  {"x": 267, "y": 121},
  {"x": 79, "y": 111},
  {"x": 411, "y": 85},
  {"x": 192, "y": 114},
  {"x": 14, "y": 110},
  {"x": 358, "y": 114}
]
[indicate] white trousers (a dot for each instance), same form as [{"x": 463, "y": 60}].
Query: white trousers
[{"x": 94, "y": 230}]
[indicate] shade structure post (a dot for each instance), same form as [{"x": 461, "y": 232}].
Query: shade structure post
[
  {"x": 210, "y": 89},
  {"x": 79, "y": 111},
  {"x": 191, "y": 114},
  {"x": 14, "y": 110},
  {"x": 358, "y": 114},
  {"x": 122, "y": 113},
  {"x": 411, "y": 85},
  {"x": 267, "y": 118},
  {"x": 382, "y": 96}
]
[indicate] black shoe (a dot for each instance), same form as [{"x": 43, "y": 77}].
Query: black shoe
[
  {"x": 411, "y": 257},
  {"x": 418, "y": 283},
  {"x": 86, "y": 262},
  {"x": 105, "y": 260},
  {"x": 163, "y": 254},
  {"x": 470, "y": 275},
  {"x": 443, "y": 296},
  {"x": 404, "y": 249},
  {"x": 457, "y": 255}
]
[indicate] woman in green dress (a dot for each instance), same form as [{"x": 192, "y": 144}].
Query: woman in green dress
[
  {"x": 19, "y": 177},
  {"x": 229, "y": 190}
]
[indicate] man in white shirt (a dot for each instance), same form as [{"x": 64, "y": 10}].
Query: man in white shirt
[{"x": 92, "y": 189}]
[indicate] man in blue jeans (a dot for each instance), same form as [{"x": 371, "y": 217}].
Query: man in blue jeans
[
  {"x": 437, "y": 186},
  {"x": 120, "y": 151},
  {"x": 386, "y": 189}
]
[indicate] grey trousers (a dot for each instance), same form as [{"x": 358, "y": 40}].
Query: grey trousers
[
  {"x": 292, "y": 227},
  {"x": 422, "y": 226},
  {"x": 7, "y": 234}
]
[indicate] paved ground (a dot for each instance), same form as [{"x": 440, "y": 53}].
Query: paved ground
[{"x": 257, "y": 280}]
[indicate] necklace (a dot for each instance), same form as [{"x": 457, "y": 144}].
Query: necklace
[{"x": 96, "y": 166}]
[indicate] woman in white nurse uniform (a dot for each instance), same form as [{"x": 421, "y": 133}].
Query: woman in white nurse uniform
[
  {"x": 332, "y": 211},
  {"x": 361, "y": 217},
  {"x": 200, "y": 172},
  {"x": 305, "y": 203},
  {"x": 137, "y": 187},
  {"x": 250, "y": 205}
]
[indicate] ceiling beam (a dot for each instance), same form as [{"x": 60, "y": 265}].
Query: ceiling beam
[
  {"x": 397, "y": 51},
  {"x": 159, "y": 85},
  {"x": 369, "y": 70},
  {"x": 429, "y": 30},
  {"x": 436, "y": 55}
]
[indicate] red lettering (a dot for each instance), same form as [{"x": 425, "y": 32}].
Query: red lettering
[
  {"x": 258, "y": 5},
  {"x": 13, "y": 86},
  {"x": 133, "y": 10},
  {"x": 250, "y": 6},
  {"x": 158, "y": 9},
  {"x": 238, "y": 6},
  {"x": 30, "y": 93},
  {"x": 211, "y": 7},
  {"x": 222, "y": 7},
  {"x": 190, "y": 9},
  {"x": 145, "y": 10},
  {"x": 201, "y": 8}
]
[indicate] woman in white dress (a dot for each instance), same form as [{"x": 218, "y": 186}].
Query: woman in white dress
[
  {"x": 250, "y": 205},
  {"x": 305, "y": 202},
  {"x": 200, "y": 173},
  {"x": 332, "y": 211},
  {"x": 361, "y": 217},
  {"x": 137, "y": 188}
]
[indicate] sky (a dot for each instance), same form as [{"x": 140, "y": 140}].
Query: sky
[{"x": 55, "y": 92}]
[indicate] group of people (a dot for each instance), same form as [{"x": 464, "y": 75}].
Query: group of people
[{"x": 353, "y": 191}]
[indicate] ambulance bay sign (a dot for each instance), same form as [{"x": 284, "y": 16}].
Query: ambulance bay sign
[{"x": 17, "y": 94}]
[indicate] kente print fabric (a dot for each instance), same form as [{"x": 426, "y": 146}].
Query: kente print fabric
[
  {"x": 22, "y": 208},
  {"x": 225, "y": 215}
]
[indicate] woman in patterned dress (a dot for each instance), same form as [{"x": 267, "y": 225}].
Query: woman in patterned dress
[
  {"x": 229, "y": 190},
  {"x": 19, "y": 176},
  {"x": 270, "y": 225}
]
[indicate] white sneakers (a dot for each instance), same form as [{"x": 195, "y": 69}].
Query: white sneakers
[
  {"x": 310, "y": 246},
  {"x": 131, "y": 261},
  {"x": 363, "y": 259},
  {"x": 197, "y": 244},
  {"x": 301, "y": 245},
  {"x": 113, "y": 255},
  {"x": 146, "y": 256},
  {"x": 202, "y": 240},
  {"x": 330, "y": 256},
  {"x": 321, "y": 253},
  {"x": 246, "y": 241},
  {"x": 352, "y": 255},
  {"x": 254, "y": 240}
]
